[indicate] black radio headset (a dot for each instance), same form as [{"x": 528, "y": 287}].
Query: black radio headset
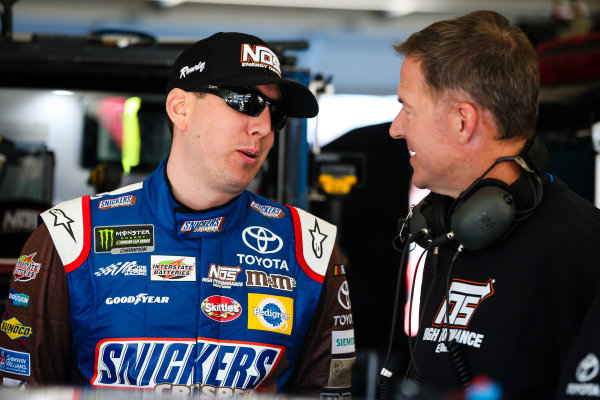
[{"x": 483, "y": 214}]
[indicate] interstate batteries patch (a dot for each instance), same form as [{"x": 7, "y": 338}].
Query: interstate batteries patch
[{"x": 122, "y": 239}]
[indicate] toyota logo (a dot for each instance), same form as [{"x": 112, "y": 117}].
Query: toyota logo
[
  {"x": 344, "y": 295},
  {"x": 588, "y": 368},
  {"x": 262, "y": 240}
]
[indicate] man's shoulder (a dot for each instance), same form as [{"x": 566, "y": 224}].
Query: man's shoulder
[
  {"x": 68, "y": 223},
  {"x": 124, "y": 196},
  {"x": 265, "y": 206},
  {"x": 567, "y": 206}
]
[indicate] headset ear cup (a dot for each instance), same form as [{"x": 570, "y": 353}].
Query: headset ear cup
[
  {"x": 438, "y": 215},
  {"x": 485, "y": 216},
  {"x": 430, "y": 214}
]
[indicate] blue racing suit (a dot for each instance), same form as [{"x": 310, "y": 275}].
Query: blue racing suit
[{"x": 134, "y": 290}]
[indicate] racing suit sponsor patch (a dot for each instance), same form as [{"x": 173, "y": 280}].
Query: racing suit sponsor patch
[
  {"x": 342, "y": 342},
  {"x": 140, "y": 298},
  {"x": 223, "y": 276},
  {"x": 127, "y": 268},
  {"x": 123, "y": 239},
  {"x": 587, "y": 369},
  {"x": 262, "y": 279},
  {"x": 18, "y": 299},
  {"x": 268, "y": 211},
  {"x": 340, "y": 373},
  {"x": 122, "y": 201},
  {"x": 173, "y": 268},
  {"x": 14, "y": 329},
  {"x": 169, "y": 364},
  {"x": 262, "y": 240},
  {"x": 205, "y": 225},
  {"x": 26, "y": 268},
  {"x": 270, "y": 313},
  {"x": 339, "y": 270},
  {"x": 14, "y": 362},
  {"x": 221, "y": 308}
]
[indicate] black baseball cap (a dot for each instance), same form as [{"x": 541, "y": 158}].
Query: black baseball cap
[{"x": 233, "y": 59}]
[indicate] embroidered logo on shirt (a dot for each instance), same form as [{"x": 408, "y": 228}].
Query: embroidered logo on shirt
[
  {"x": 14, "y": 329},
  {"x": 464, "y": 299},
  {"x": 260, "y": 56},
  {"x": 60, "y": 218},
  {"x": 193, "y": 367},
  {"x": 18, "y": 299},
  {"x": 262, "y": 240},
  {"x": 270, "y": 313},
  {"x": 122, "y": 201},
  {"x": 127, "y": 268},
  {"x": 222, "y": 276},
  {"x": 205, "y": 225},
  {"x": 221, "y": 308},
  {"x": 262, "y": 279},
  {"x": 173, "y": 268},
  {"x": 122, "y": 239},
  {"x": 26, "y": 268},
  {"x": 14, "y": 362},
  {"x": 587, "y": 369},
  {"x": 317, "y": 240},
  {"x": 268, "y": 211}
]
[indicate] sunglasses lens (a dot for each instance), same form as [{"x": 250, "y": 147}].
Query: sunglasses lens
[
  {"x": 251, "y": 102},
  {"x": 278, "y": 118},
  {"x": 247, "y": 103}
]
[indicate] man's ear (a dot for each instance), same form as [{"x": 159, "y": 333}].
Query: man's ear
[
  {"x": 466, "y": 120},
  {"x": 177, "y": 109}
]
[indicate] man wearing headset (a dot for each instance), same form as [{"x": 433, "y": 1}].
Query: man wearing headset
[
  {"x": 187, "y": 283},
  {"x": 510, "y": 286}
]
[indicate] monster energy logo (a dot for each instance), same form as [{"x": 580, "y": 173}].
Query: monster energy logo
[
  {"x": 124, "y": 239},
  {"x": 107, "y": 238}
]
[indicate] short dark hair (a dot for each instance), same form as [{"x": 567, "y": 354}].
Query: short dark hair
[{"x": 482, "y": 54}]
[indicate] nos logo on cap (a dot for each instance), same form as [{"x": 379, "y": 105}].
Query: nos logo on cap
[{"x": 260, "y": 56}]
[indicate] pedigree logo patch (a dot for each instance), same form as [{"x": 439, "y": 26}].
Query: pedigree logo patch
[{"x": 270, "y": 313}]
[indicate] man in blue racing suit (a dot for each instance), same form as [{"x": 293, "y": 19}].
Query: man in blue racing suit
[{"x": 187, "y": 282}]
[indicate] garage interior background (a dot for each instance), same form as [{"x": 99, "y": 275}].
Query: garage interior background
[{"x": 343, "y": 49}]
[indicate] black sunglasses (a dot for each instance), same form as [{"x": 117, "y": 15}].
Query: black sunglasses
[{"x": 251, "y": 102}]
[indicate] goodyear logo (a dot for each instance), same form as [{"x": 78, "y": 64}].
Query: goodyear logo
[
  {"x": 15, "y": 329},
  {"x": 182, "y": 365},
  {"x": 270, "y": 313},
  {"x": 124, "y": 239}
]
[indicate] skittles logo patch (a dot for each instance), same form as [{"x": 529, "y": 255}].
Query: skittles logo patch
[{"x": 221, "y": 308}]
